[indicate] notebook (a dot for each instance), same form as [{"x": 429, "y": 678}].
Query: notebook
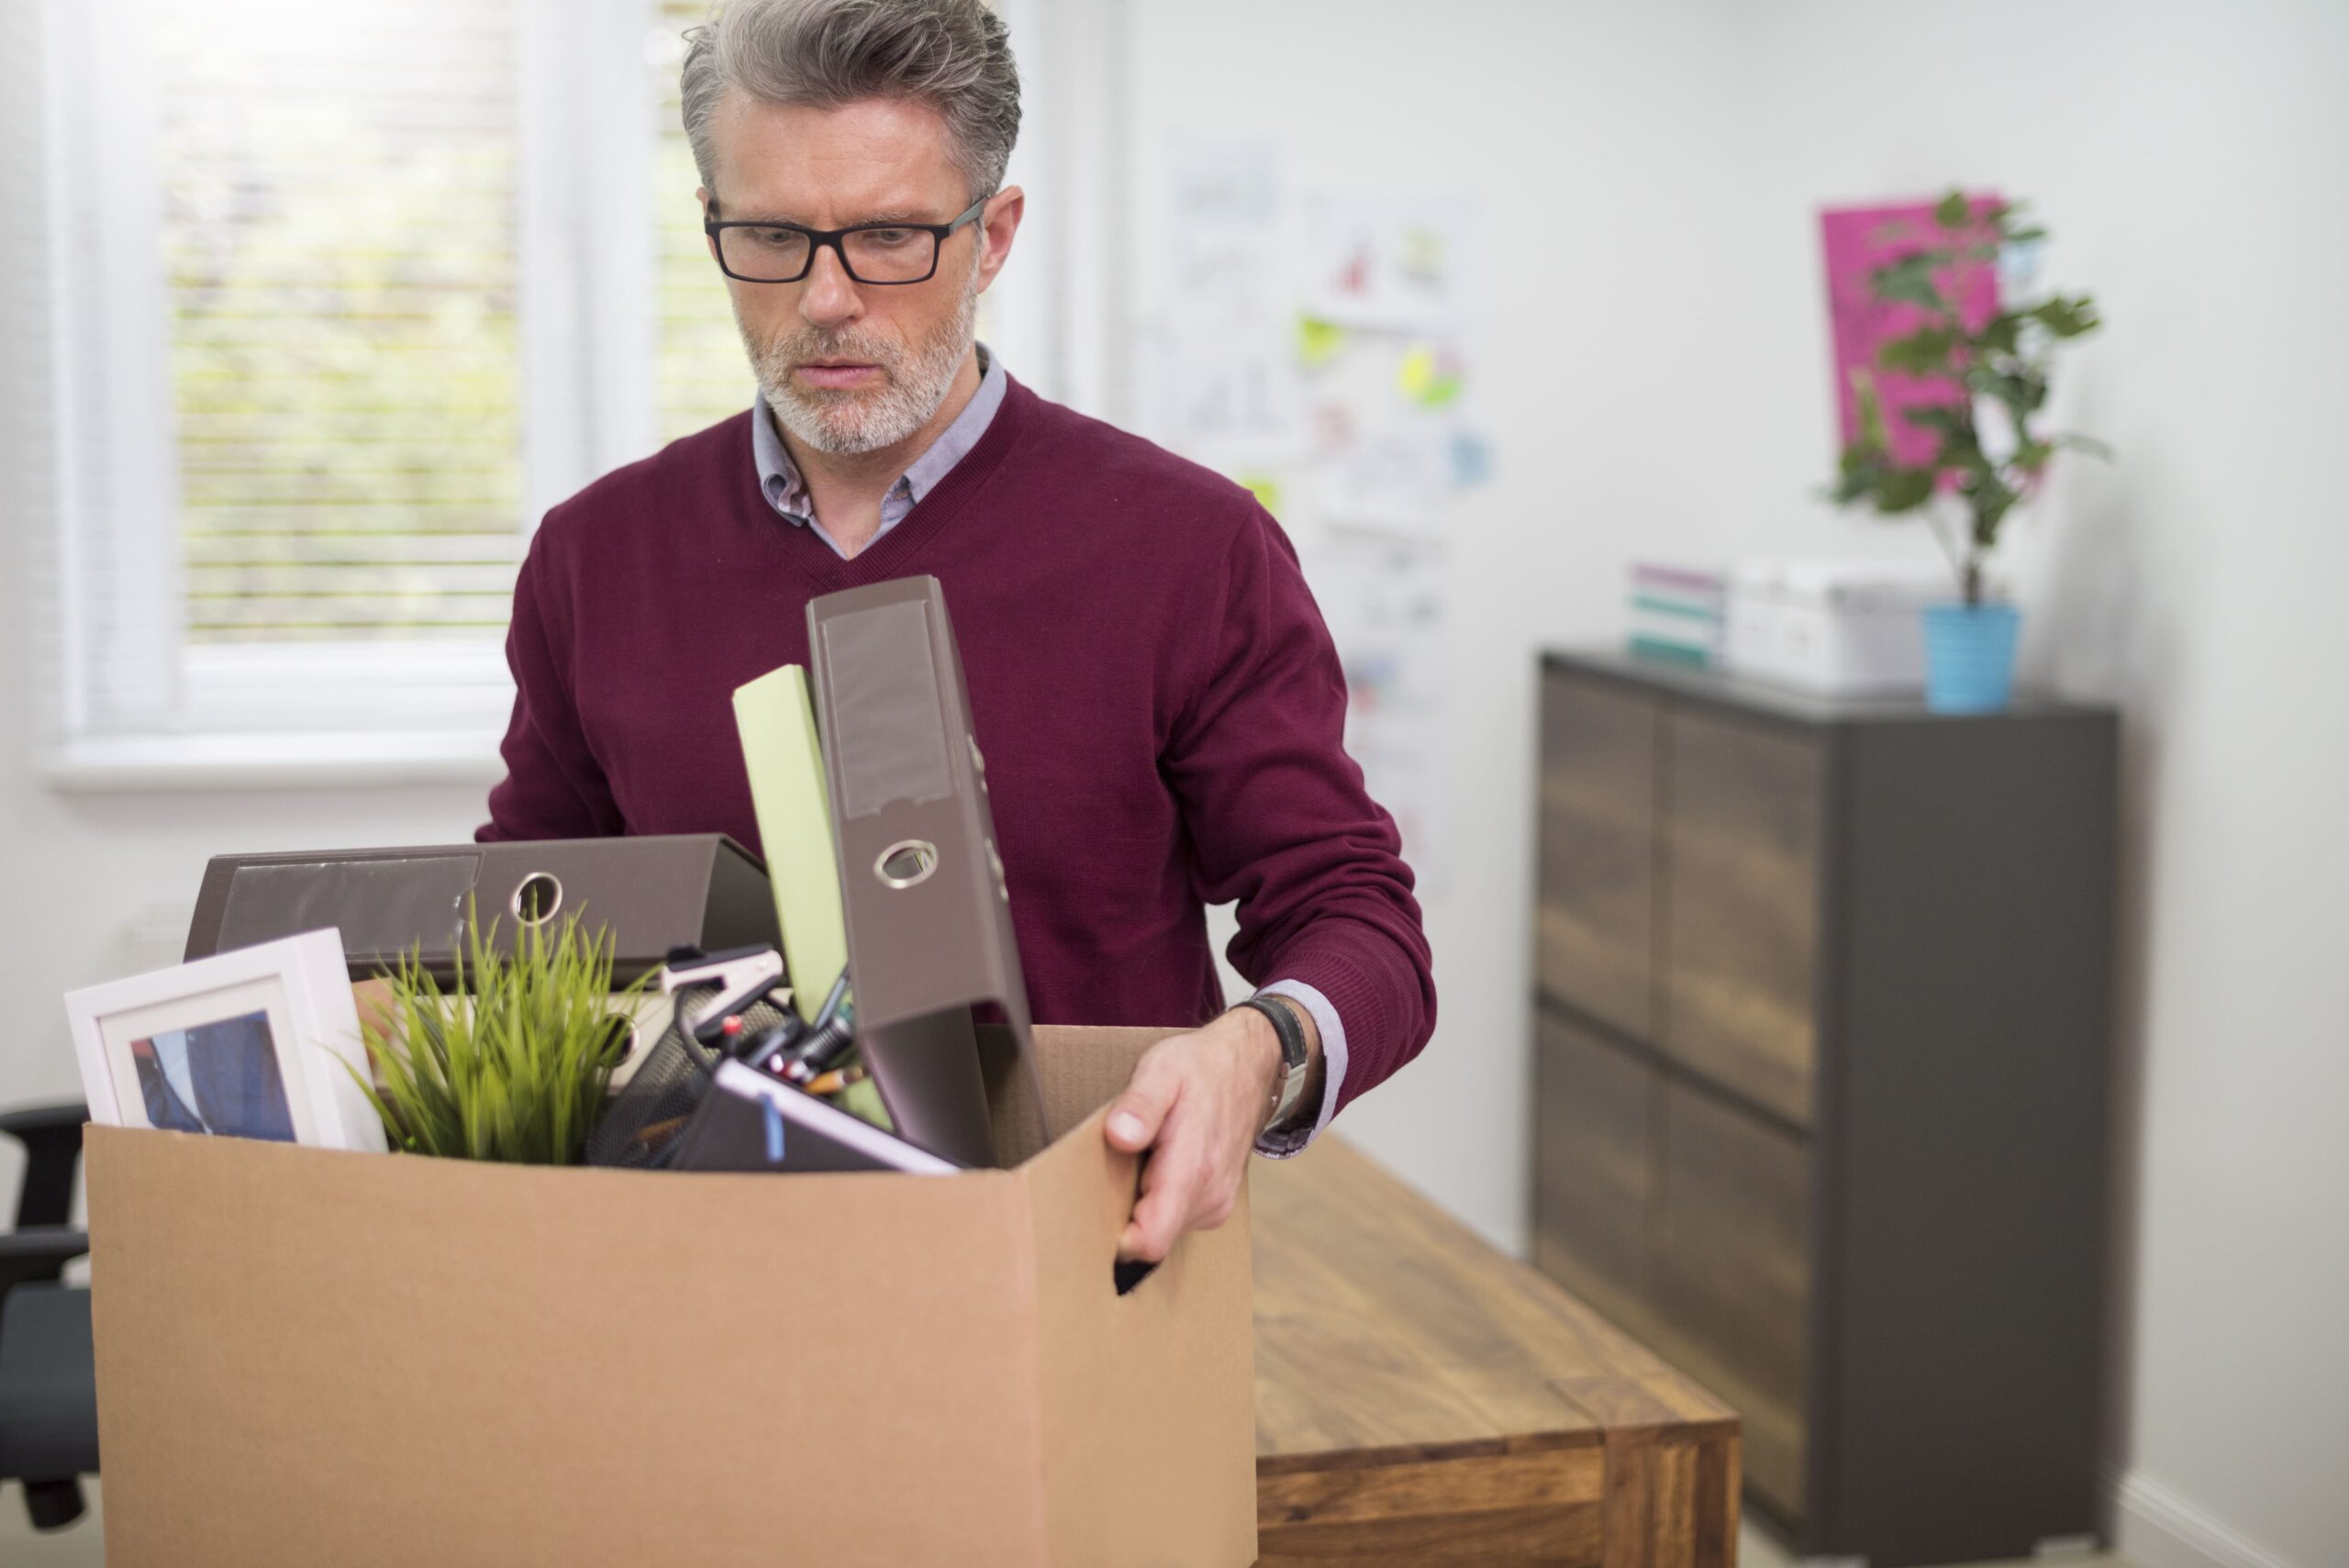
[{"x": 777, "y": 725}]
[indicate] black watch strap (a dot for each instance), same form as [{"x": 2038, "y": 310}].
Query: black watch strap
[{"x": 1293, "y": 1054}]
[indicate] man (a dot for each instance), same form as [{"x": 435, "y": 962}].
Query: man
[{"x": 1159, "y": 700}]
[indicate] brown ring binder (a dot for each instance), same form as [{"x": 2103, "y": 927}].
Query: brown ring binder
[{"x": 929, "y": 934}]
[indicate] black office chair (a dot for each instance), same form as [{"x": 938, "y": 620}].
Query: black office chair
[{"x": 48, "y": 1389}]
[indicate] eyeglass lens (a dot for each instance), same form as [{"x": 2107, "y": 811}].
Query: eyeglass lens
[{"x": 874, "y": 255}]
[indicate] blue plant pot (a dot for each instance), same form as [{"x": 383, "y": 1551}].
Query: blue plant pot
[{"x": 1970, "y": 657}]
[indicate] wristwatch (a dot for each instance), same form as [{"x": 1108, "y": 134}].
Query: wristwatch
[{"x": 1288, "y": 1086}]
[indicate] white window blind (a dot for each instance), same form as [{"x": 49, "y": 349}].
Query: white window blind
[{"x": 338, "y": 193}]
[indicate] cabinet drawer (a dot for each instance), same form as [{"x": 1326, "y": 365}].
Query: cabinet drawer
[
  {"x": 1730, "y": 1271},
  {"x": 1594, "y": 1181},
  {"x": 1740, "y": 840},
  {"x": 1597, "y": 909}
]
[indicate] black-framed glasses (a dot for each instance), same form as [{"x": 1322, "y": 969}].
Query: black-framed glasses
[{"x": 765, "y": 251}]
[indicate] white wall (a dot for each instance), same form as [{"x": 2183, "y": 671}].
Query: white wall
[{"x": 1655, "y": 369}]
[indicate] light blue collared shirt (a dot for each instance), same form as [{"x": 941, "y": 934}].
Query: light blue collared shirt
[{"x": 786, "y": 492}]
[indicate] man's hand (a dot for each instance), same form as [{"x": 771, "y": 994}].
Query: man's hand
[{"x": 1197, "y": 1102}]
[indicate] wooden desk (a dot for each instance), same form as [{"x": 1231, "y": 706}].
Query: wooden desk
[{"x": 1422, "y": 1399}]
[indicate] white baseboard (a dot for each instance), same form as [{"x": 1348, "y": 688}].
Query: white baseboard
[{"x": 2155, "y": 1528}]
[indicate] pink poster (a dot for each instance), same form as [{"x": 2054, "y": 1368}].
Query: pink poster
[{"x": 1857, "y": 239}]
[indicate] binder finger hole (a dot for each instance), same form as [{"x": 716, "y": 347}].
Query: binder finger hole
[
  {"x": 907, "y": 863},
  {"x": 536, "y": 899}
]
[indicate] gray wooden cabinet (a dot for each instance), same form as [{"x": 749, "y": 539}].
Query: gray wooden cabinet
[{"x": 1820, "y": 1051}]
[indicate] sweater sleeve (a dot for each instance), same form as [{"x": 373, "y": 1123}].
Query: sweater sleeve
[
  {"x": 553, "y": 787},
  {"x": 1277, "y": 818}
]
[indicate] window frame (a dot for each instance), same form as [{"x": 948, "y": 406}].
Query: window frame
[{"x": 136, "y": 698}]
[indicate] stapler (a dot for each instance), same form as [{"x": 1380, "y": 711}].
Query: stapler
[{"x": 744, "y": 977}]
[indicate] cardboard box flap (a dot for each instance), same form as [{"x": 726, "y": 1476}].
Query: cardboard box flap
[{"x": 1159, "y": 1382}]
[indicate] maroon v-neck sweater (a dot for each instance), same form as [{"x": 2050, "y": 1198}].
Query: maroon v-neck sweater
[{"x": 1159, "y": 700}]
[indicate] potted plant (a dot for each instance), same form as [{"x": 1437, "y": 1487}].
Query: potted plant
[
  {"x": 1989, "y": 453},
  {"x": 514, "y": 1061}
]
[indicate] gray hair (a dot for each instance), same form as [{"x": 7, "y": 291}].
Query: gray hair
[{"x": 952, "y": 55}]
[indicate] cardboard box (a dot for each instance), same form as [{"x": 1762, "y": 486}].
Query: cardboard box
[{"x": 310, "y": 1358}]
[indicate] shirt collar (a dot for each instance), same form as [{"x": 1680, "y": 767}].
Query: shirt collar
[{"x": 787, "y": 492}]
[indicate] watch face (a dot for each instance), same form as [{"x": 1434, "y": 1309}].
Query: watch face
[{"x": 1287, "y": 1099}]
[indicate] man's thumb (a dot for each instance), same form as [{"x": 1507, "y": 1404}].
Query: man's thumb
[{"x": 1136, "y": 1115}]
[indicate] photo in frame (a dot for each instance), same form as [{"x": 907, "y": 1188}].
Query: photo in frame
[{"x": 259, "y": 1043}]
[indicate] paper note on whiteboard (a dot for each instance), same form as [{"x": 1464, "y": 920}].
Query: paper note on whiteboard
[
  {"x": 1384, "y": 262},
  {"x": 1226, "y": 221},
  {"x": 1221, "y": 383},
  {"x": 1384, "y": 417},
  {"x": 1233, "y": 397},
  {"x": 1391, "y": 477}
]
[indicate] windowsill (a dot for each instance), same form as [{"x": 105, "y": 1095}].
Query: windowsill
[{"x": 358, "y": 760}]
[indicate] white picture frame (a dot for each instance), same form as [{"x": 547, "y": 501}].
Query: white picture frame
[{"x": 260, "y": 1042}]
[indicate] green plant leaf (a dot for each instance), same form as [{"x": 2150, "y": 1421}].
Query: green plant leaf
[
  {"x": 1850, "y": 487},
  {"x": 1954, "y": 211},
  {"x": 2001, "y": 333},
  {"x": 1992, "y": 497},
  {"x": 1904, "y": 490},
  {"x": 1937, "y": 416},
  {"x": 2067, "y": 317},
  {"x": 1869, "y": 405},
  {"x": 1922, "y": 352},
  {"x": 2023, "y": 391},
  {"x": 1910, "y": 281}
]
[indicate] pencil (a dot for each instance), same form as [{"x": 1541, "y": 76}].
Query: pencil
[{"x": 833, "y": 1083}]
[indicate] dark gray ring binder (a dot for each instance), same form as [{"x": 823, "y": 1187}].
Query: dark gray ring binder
[{"x": 927, "y": 941}]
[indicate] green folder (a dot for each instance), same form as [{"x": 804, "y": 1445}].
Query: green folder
[{"x": 777, "y": 724}]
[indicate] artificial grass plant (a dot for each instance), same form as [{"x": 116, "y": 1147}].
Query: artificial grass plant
[{"x": 513, "y": 1063}]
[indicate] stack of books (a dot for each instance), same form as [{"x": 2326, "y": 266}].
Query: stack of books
[{"x": 1679, "y": 613}]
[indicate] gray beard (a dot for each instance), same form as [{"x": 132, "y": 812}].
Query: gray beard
[{"x": 845, "y": 423}]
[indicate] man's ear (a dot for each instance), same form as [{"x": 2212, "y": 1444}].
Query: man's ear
[
  {"x": 997, "y": 224},
  {"x": 709, "y": 214}
]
